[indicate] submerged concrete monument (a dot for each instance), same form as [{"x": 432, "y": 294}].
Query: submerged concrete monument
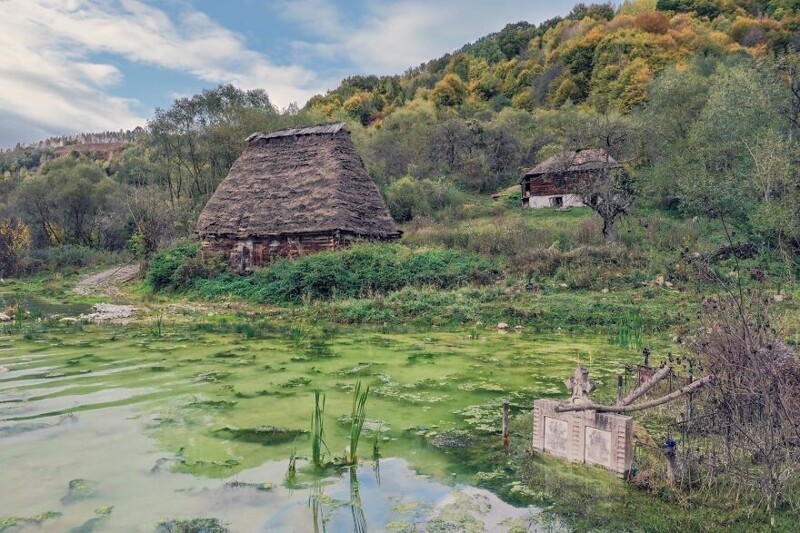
[{"x": 583, "y": 436}]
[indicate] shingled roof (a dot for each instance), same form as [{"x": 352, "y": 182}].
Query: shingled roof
[
  {"x": 296, "y": 181},
  {"x": 575, "y": 161}
]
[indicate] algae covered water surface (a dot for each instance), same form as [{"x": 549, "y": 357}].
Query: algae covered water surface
[{"x": 130, "y": 427}]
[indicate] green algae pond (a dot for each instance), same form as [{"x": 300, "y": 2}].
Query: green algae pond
[{"x": 192, "y": 427}]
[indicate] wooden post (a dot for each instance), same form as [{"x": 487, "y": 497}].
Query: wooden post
[
  {"x": 672, "y": 464},
  {"x": 619, "y": 388},
  {"x": 646, "y": 386},
  {"x": 505, "y": 424}
]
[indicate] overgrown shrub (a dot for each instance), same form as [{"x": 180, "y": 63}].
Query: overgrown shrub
[
  {"x": 354, "y": 272},
  {"x": 408, "y": 197},
  {"x": 198, "y": 267},
  {"x": 69, "y": 256},
  {"x": 166, "y": 269}
]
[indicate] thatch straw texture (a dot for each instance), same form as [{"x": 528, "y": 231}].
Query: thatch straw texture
[
  {"x": 307, "y": 180},
  {"x": 574, "y": 162}
]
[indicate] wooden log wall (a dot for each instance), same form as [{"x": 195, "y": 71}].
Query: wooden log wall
[{"x": 245, "y": 254}]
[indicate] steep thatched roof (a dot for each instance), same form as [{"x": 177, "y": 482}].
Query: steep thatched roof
[
  {"x": 574, "y": 162},
  {"x": 301, "y": 180}
]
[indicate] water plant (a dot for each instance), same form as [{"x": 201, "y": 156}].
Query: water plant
[
  {"x": 356, "y": 508},
  {"x": 318, "y": 432},
  {"x": 358, "y": 415},
  {"x": 291, "y": 470},
  {"x": 298, "y": 334},
  {"x": 157, "y": 330},
  {"x": 631, "y": 331}
]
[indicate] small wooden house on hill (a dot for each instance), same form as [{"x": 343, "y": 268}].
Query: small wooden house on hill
[
  {"x": 557, "y": 181},
  {"x": 292, "y": 192}
]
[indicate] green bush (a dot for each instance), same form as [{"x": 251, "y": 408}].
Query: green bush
[
  {"x": 198, "y": 267},
  {"x": 355, "y": 272},
  {"x": 409, "y": 197},
  {"x": 166, "y": 268},
  {"x": 70, "y": 256}
]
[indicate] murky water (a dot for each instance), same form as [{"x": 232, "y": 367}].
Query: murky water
[
  {"x": 40, "y": 307},
  {"x": 119, "y": 429}
]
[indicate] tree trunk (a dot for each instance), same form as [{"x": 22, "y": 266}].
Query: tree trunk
[{"x": 610, "y": 230}]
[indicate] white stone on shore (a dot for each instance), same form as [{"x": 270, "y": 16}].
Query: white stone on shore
[
  {"x": 102, "y": 312},
  {"x": 5, "y": 318}
]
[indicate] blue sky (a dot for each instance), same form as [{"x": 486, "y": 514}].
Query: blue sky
[{"x": 90, "y": 65}]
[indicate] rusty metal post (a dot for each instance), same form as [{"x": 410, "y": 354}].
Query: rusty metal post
[{"x": 505, "y": 424}]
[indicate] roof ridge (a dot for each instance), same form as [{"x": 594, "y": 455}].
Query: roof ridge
[{"x": 320, "y": 129}]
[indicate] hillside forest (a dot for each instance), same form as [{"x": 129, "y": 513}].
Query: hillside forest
[
  {"x": 688, "y": 258},
  {"x": 699, "y": 99}
]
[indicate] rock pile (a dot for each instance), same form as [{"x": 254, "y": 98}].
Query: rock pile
[{"x": 103, "y": 312}]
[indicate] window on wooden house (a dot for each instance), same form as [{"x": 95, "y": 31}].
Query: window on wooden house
[{"x": 557, "y": 201}]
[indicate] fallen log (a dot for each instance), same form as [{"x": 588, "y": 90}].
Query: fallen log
[{"x": 691, "y": 387}]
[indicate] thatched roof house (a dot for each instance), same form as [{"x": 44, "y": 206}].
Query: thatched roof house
[
  {"x": 556, "y": 182},
  {"x": 294, "y": 191}
]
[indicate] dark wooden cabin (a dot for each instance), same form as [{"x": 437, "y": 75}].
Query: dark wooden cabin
[
  {"x": 558, "y": 181},
  {"x": 294, "y": 192}
]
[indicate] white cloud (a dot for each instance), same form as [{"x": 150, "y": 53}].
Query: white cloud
[
  {"x": 393, "y": 35},
  {"x": 314, "y": 17},
  {"x": 51, "y": 79},
  {"x": 48, "y": 78}
]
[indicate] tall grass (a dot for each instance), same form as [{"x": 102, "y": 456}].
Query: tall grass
[
  {"x": 318, "y": 432},
  {"x": 358, "y": 416},
  {"x": 157, "y": 330},
  {"x": 631, "y": 331},
  {"x": 361, "y": 270}
]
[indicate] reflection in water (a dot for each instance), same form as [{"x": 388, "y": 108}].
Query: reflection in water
[
  {"x": 95, "y": 402},
  {"x": 317, "y": 511},
  {"x": 93, "y": 445},
  {"x": 356, "y": 509}
]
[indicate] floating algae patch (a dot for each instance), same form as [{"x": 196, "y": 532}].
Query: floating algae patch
[
  {"x": 94, "y": 524},
  {"x": 205, "y": 421},
  {"x": 212, "y": 404},
  {"x": 212, "y": 376},
  {"x": 260, "y": 487},
  {"x": 226, "y": 354},
  {"x": 299, "y": 381},
  {"x": 192, "y": 525},
  {"x": 9, "y": 522},
  {"x": 78, "y": 490},
  {"x": 261, "y": 435}
]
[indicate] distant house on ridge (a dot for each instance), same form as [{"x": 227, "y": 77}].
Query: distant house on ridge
[
  {"x": 557, "y": 181},
  {"x": 292, "y": 192}
]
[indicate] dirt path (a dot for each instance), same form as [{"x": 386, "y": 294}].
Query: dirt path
[{"x": 106, "y": 283}]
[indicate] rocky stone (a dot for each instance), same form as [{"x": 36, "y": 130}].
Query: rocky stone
[
  {"x": 778, "y": 298},
  {"x": 502, "y": 326},
  {"x": 102, "y": 312},
  {"x": 69, "y": 320},
  {"x": 605, "y": 290},
  {"x": 5, "y": 318}
]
